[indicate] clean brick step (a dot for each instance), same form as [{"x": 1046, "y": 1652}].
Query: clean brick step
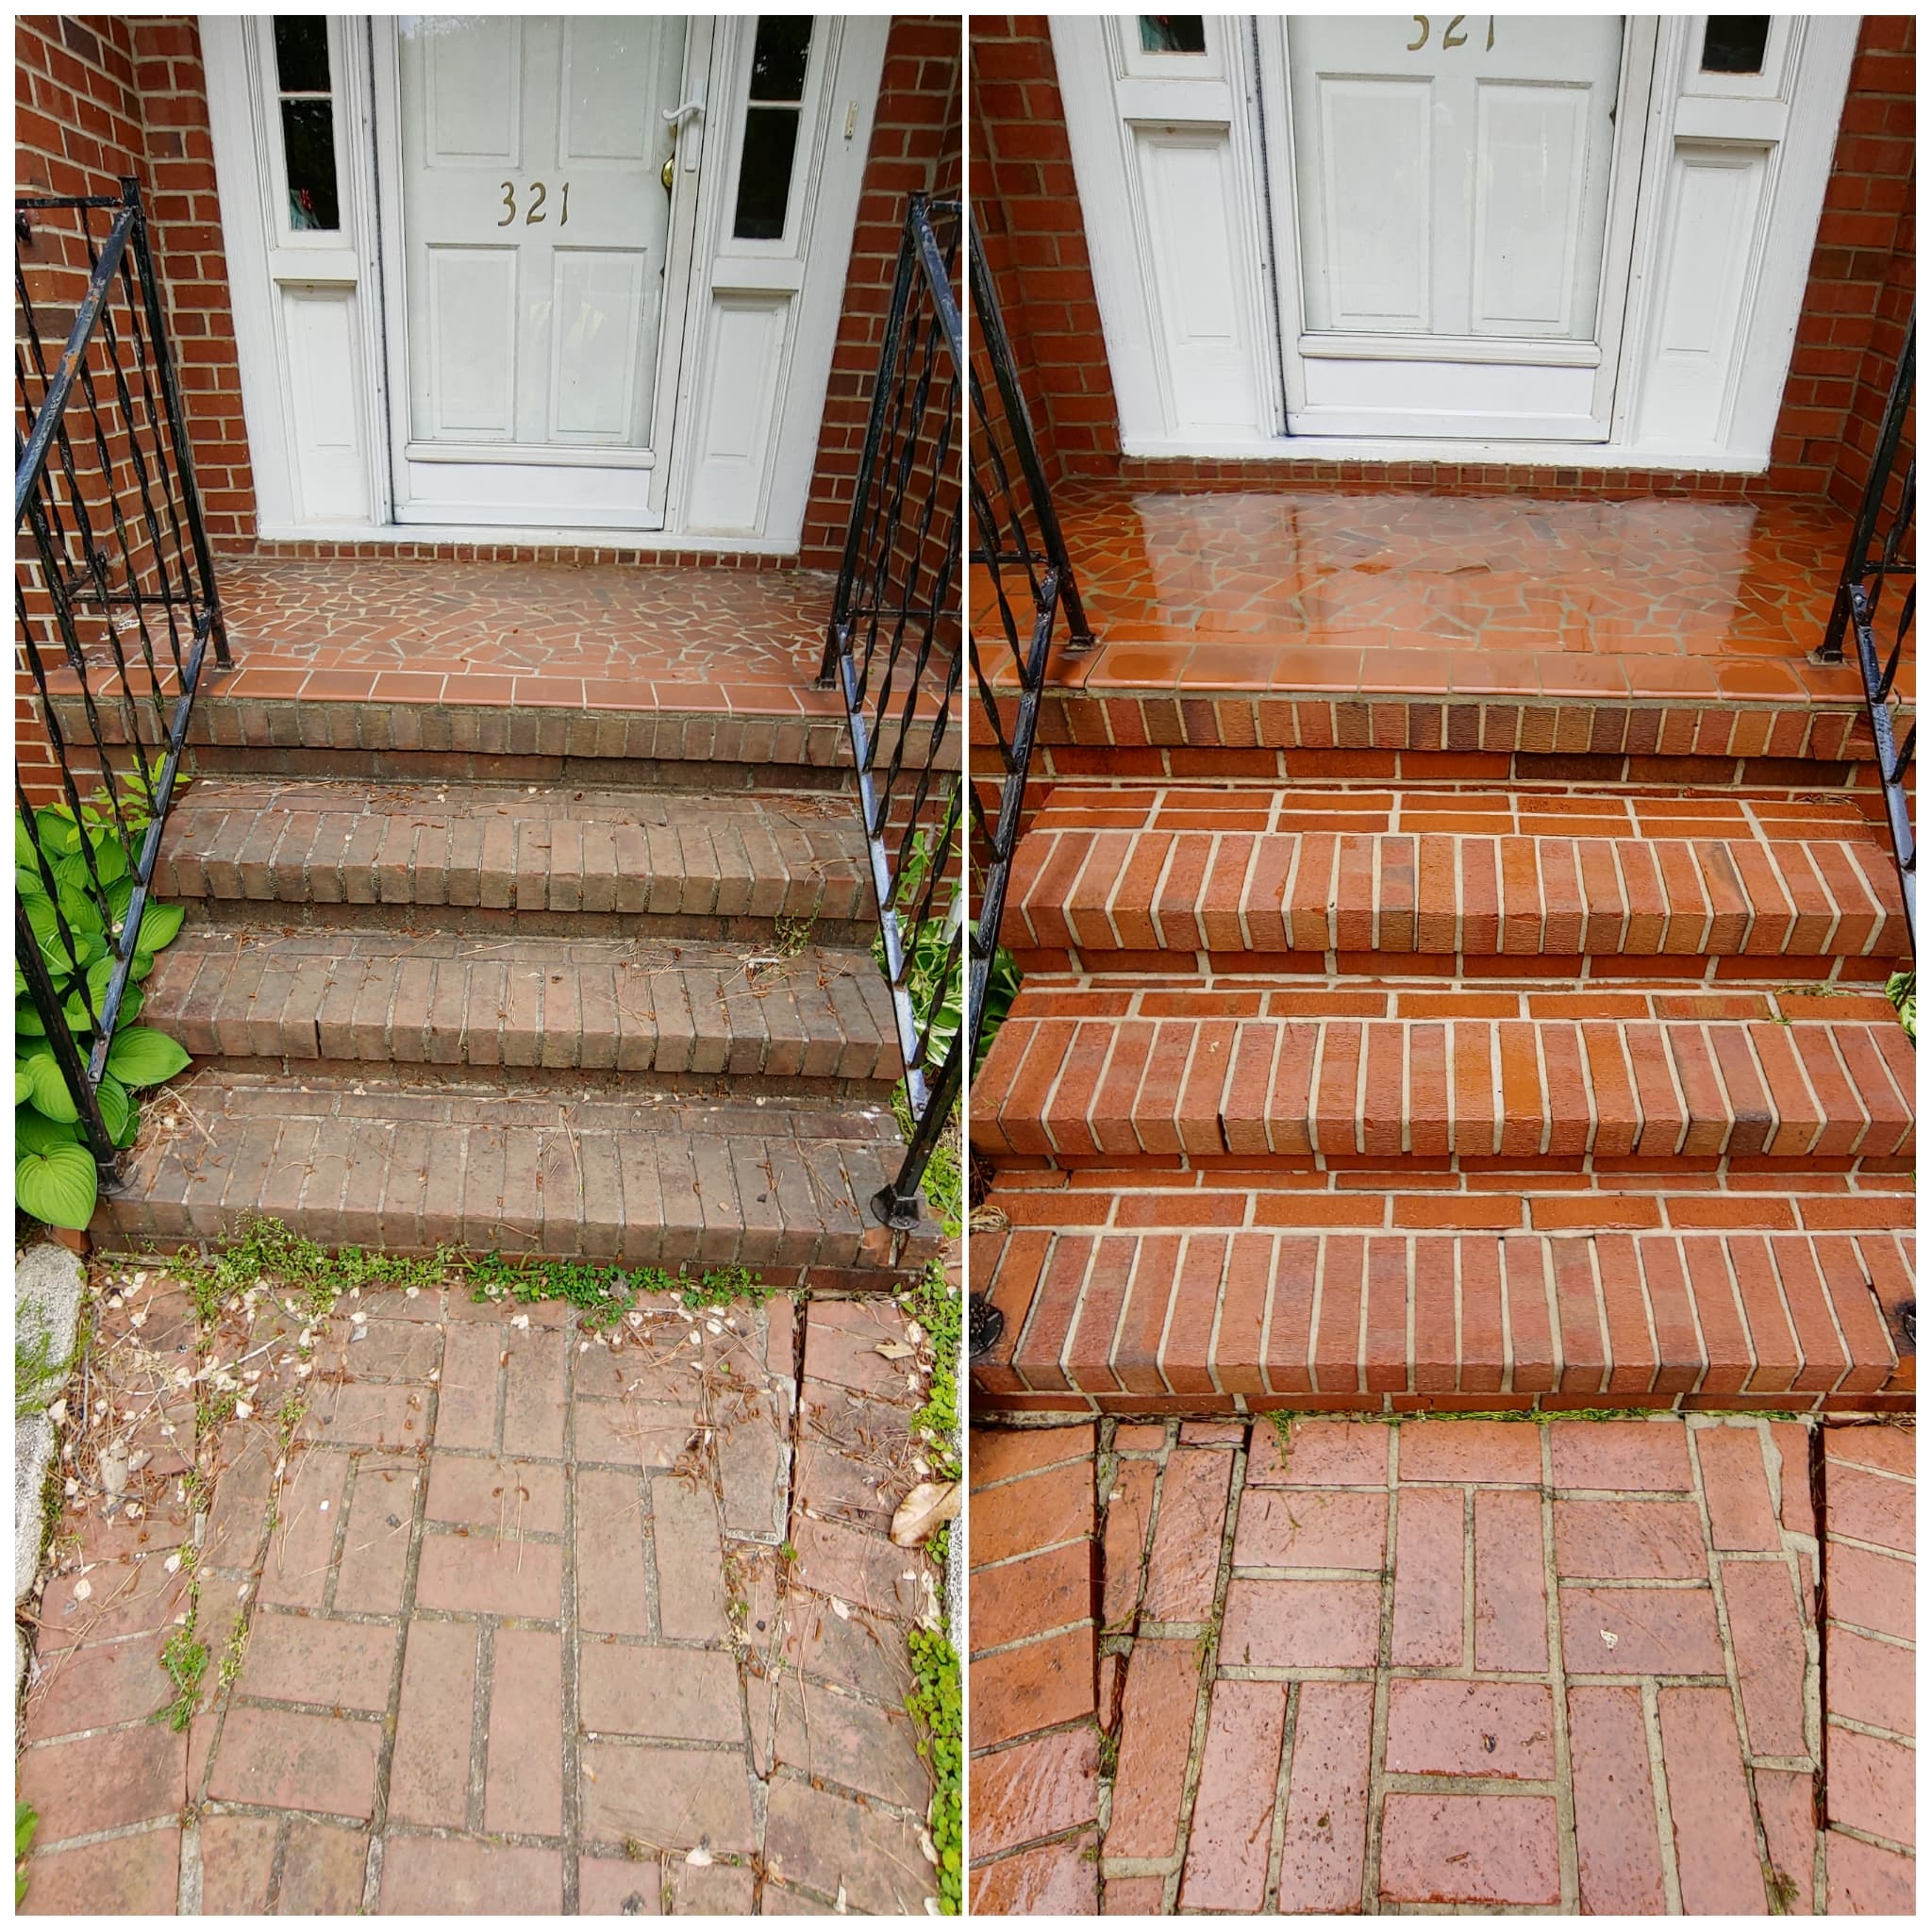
[
  {"x": 724, "y": 865},
  {"x": 1215, "y": 1320},
  {"x": 1189, "y": 1090},
  {"x": 457, "y": 1001},
  {"x": 493, "y": 1166},
  {"x": 1278, "y": 880}
]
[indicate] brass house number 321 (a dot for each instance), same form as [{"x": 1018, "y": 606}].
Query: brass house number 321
[
  {"x": 1453, "y": 35},
  {"x": 540, "y": 194}
]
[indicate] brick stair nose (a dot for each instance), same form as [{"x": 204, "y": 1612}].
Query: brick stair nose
[
  {"x": 493, "y": 1166},
  {"x": 1225, "y": 1319},
  {"x": 236, "y": 843},
  {"x": 1084, "y": 1084},
  {"x": 1150, "y": 877},
  {"x": 457, "y": 1001}
]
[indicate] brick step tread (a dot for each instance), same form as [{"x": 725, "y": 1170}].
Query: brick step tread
[
  {"x": 1350, "y": 1319},
  {"x": 491, "y": 1167},
  {"x": 1796, "y": 890},
  {"x": 540, "y": 848},
  {"x": 1093, "y": 1089},
  {"x": 455, "y": 1000}
]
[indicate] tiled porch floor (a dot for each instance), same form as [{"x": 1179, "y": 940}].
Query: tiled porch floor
[
  {"x": 1324, "y": 590},
  {"x": 669, "y": 639}
]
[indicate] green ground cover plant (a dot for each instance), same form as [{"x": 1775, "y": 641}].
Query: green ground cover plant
[{"x": 59, "y": 861}]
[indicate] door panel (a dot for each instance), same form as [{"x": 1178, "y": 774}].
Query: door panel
[
  {"x": 1495, "y": 146},
  {"x": 536, "y": 238},
  {"x": 1461, "y": 203}
]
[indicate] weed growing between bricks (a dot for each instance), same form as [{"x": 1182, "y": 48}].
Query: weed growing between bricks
[{"x": 936, "y": 1704}]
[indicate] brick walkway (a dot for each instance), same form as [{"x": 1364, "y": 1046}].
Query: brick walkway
[
  {"x": 1573, "y": 1667},
  {"x": 533, "y": 1624}
]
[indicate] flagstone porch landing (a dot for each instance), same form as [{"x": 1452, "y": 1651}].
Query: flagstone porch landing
[{"x": 1333, "y": 594}]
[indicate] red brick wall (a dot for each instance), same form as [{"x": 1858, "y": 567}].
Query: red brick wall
[
  {"x": 102, "y": 95},
  {"x": 1857, "y": 295},
  {"x": 915, "y": 146}
]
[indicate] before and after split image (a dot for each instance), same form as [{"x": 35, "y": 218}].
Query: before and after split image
[{"x": 965, "y": 964}]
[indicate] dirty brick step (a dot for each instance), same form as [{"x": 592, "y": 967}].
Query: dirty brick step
[
  {"x": 1278, "y": 900},
  {"x": 489, "y": 1166},
  {"x": 1213, "y": 1321},
  {"x": 1187, "y": 1089},
  {"x": 724, "y": 864},
  {"x": 685, "y": 1010}
]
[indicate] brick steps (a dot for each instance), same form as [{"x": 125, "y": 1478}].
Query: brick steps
[
  {"x": 1260, "y": 879},
  {"x": 623, "y": 1023},
  {"x": 1216, "y": 1319},
  {"x": 1463, "y": 1093},
  {"x": 492, "y": 856},
  {"x": 491, "y": 1165},
  {"x": 1085, "y": 1084},
  {"x": 819, "y": 1021}
]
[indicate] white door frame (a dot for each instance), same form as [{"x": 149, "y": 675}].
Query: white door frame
[
  {"x": 1731, "y": 182},
  {"x": 313, "y": 348}
]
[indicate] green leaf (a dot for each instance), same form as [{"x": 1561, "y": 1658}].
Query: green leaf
[
  {"x": 159, "y": 926},
  {"x": 50, "y": 1087},
  {"x": 25, "y": 850},
  {"x": 23, "y": 1083},
  {"x": 144, "y": 964},
  {"x": 58, "y": 1187},
  {"x": 142, "y": 1057},
  {"x": 28, "y": 1019},
  {"x": 82, "y": 914},
  {"x": 55, "y": 830},
  {"x": 26, "y": 1821},
  {"x": 19, "y": 981},
  {"x": 114, "y": 1106},
  {"x": 131, "y": 1132},
  {"x": 34, "y": 1132},
  {"x": 130, "y": 1009},
  {"x": 110, "y": 856}
]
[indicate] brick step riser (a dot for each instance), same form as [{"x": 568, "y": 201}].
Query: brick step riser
[
  {"x": 1286, "y": 1090},
  {"x": 1356, "y": 1321},
  {"x": 1611, "y": 727},
  {"x": 1089, "y": 764},
  {"x": 579, "y": 1078},
  {"x": 426, "y": 918},
  {"x": 122, "y": 1227},
  {"x": 514, "y": 768}
]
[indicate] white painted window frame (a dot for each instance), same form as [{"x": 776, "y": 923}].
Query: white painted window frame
[
  {"x": 1786, "y": 116},
  {"x": 804, "y": 273}
]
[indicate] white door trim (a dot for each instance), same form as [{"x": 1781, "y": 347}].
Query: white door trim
[
  {"x": 736, "y": 480},
  {"x": 1705, "y": 402}
]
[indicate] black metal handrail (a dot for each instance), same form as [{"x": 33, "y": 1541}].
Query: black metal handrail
[
  {"x": 892, "y": 653},
  {"x": 1877, "y": 551},
  {"x": 116, "y": 608},
  {"x": 1021, "y": 588}
]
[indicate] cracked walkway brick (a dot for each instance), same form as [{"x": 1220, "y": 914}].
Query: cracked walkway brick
[
  {"x": 1575, "y": 1666},
  {"x": 532, "y": 1665}
]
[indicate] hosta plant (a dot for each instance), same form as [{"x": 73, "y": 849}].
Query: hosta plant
[{"x": 54, "y": 1178}]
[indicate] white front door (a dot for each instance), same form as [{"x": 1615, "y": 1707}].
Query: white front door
[
  {"x": 539, "y": 316},
  {"x": 1461, "y": 255}
]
